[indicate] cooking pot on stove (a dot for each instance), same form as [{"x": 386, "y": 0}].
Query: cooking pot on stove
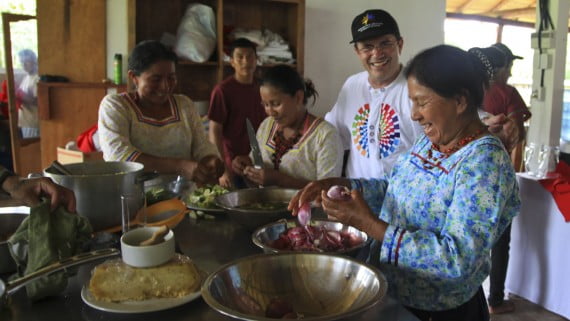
[{"x": 98, "y": 187}]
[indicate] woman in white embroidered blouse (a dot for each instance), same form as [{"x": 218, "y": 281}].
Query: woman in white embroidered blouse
[
  {"x": 153, "y": 126},
  {"x": 296, "y": 146}
]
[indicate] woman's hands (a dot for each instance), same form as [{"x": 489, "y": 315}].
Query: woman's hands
[
  {"x": 226, "y": 179},
  {"x": 505, "y": 128},
  {"x": 312, "y": 192},
  {"x": 240, "y": 162},
  {"x": 266, "y": 176},
  {"x": 205, "y": 171},
  {"x": 355, "y": 212},
  {"x": 243, "y": 165}
]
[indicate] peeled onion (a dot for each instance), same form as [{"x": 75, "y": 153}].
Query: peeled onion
[
  {"x": 339, "y": 193},
  {"x": 304, "y": 215}
]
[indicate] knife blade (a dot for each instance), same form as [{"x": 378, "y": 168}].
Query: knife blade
[{"x": 255, "y": 151}]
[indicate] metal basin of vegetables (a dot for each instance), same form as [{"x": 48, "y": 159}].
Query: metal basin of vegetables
[{"x": 254, "y": 207}]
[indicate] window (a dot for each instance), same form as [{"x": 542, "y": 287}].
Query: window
[{"x": 23, "y": 34}]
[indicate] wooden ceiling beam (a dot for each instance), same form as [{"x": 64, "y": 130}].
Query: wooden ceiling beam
[
  {"x": 462, "y": 6},
  {"x": 510, "y": 12},
  {"x": 498, "y": 5}
]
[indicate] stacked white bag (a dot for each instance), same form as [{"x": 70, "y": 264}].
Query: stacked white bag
[{"x": 196, "y": 35}]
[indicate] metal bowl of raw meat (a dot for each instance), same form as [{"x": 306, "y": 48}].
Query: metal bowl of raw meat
[
  {"x": 254, "y": 207},
  {"x": 318, "y": 236},
  {"x": 308, "y": 286}
]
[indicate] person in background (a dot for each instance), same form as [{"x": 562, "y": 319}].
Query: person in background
[
  {"x": 504, "y": 99},
  {"x": 372, "y": 113},
  {"x": 233, "y": 101},
  {"x": 29, "y": 191},
  {"x": 296, "y": 146},
  {"x": 154, "y": 126},
  {"x": 446, "y": 202},
  {"x": 27, "y": 94}
]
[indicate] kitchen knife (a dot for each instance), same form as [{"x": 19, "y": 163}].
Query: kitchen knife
[{"x": 255, "y": 151}]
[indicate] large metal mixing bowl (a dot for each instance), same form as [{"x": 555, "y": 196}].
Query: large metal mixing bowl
[
  {"x": 265, "y": 235},
  {"x": 317, "y": 286},
  {"x": 253, "y": 218}
]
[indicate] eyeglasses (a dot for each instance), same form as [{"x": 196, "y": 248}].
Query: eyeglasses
[{"x": 383, "y": 46}]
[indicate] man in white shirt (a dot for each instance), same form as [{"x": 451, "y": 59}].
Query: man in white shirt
[{"x": 372, "y": 112}]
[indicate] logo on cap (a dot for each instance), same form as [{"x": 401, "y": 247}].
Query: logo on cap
[{"x": 369, "y": 17}]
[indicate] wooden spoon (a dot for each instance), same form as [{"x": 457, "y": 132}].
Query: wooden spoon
[{"x": 156, "y": 237}]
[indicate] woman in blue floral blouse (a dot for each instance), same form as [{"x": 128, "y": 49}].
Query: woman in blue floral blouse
[{"x": 446, "y": 202}]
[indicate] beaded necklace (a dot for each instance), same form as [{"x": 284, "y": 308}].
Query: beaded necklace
[
  {"x": 283, "y": 145},
  {"x": 443, "y": 154}
]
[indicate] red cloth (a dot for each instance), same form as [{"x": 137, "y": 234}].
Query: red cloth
[
  {"x": 4, "y": 100},
  {"x": 230, "y": 104},
  {"x": 505, "y": 99},
  {"x": 559, "y": 187},
  {"x": 85, "y": 140}
]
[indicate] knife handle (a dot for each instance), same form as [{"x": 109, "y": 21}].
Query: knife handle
[{"x": 258, "y": 167}]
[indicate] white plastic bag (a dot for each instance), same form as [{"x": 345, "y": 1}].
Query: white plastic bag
[{"x": 196, "y": 35}]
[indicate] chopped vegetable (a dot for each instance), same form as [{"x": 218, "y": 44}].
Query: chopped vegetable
[{"x": 204, "y": 197}]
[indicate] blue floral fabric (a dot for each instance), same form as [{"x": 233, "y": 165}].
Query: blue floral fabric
[{"x": 444, "y": 215}]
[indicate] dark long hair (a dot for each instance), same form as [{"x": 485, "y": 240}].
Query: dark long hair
[{"x": 288, "y": 80}]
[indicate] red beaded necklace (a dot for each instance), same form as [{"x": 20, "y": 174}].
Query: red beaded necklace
[{"x": 447, "y": 152}]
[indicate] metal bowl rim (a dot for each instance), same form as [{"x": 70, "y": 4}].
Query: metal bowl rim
[
  {"x": 263, "y": 246},
  {"x": 214, "y": 304},
  {"x": 240, "y": 210}
]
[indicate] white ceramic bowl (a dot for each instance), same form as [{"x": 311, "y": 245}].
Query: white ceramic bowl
[{"x": 149, "y": 255}]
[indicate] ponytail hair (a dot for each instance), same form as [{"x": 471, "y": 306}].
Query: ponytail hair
[{"x": 289, "y": 81}]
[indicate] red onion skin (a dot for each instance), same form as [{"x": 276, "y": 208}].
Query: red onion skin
[
  {"x": 314, "y": 238},
  {"x": 339, "y": 193}
]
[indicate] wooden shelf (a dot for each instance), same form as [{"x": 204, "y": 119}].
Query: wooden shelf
[
  {"x": 197, "y": 80},
  {"x": 198, "y": 64}
]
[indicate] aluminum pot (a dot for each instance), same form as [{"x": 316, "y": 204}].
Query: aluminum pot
[{"x": 98, "y": 187}]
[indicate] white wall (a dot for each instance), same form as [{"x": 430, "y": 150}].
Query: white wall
[{"x": 330, "y": 59}]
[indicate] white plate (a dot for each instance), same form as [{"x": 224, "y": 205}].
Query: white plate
[{"x": 136, "y": 306}]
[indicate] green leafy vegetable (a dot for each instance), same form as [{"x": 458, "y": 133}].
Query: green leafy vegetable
[{"x": 203, "y": 197}]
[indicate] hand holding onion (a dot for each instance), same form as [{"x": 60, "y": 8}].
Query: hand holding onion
[
  {"x": 347, "y": 207},
  {"x": 339, "y": 193},
  {"x": 311, "y": 193}
]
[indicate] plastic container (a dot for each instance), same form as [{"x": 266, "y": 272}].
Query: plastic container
[{"x": 118, "y": 69}]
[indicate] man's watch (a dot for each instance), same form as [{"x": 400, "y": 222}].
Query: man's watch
[{"x": 4, "y": 174}]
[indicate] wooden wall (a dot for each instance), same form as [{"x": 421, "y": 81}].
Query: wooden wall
[
  {"x": 71, "y": 43},
  {"x": 72, "y": 39}
]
